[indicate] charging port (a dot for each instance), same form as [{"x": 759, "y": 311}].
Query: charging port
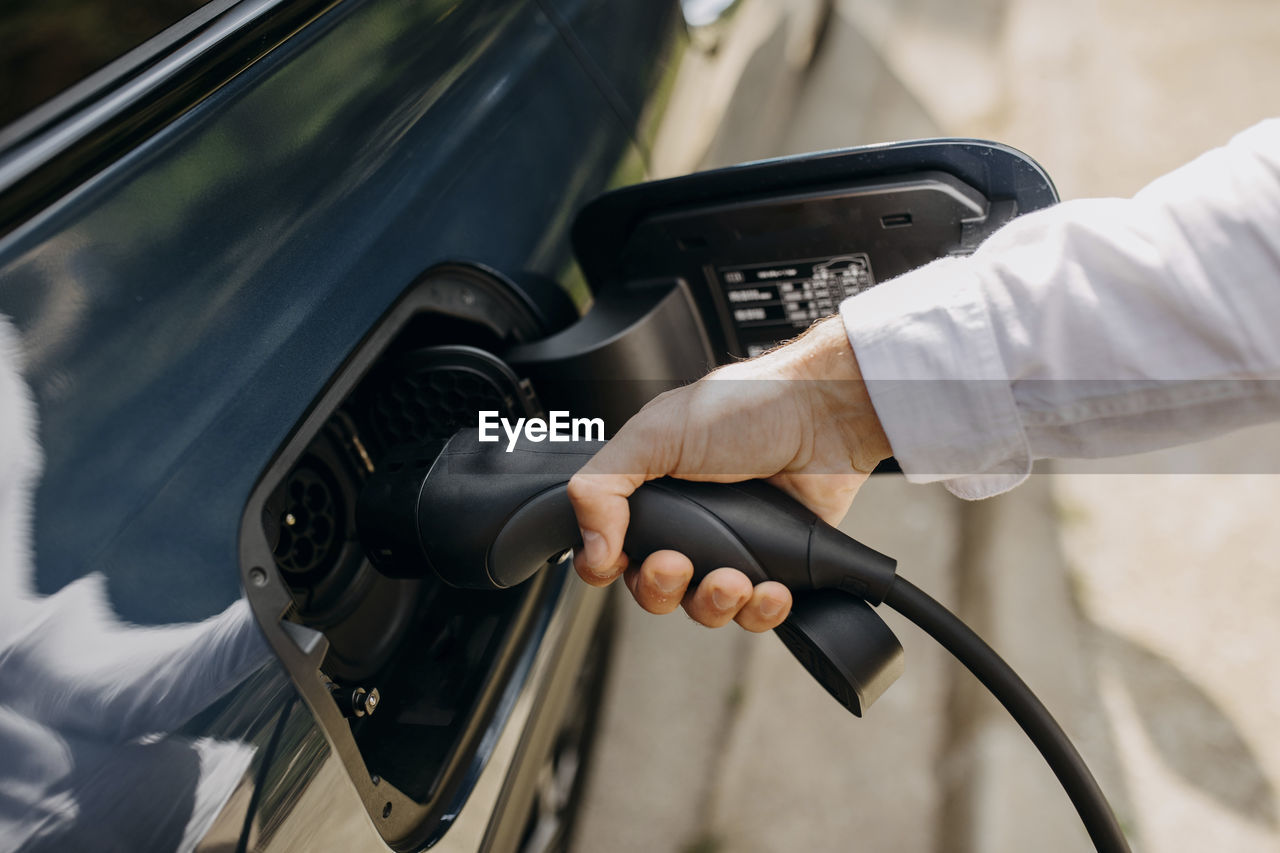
[{"x": 437, "y": 659}]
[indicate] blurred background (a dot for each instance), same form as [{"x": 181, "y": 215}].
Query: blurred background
[{"x": 1138, "y": 596}]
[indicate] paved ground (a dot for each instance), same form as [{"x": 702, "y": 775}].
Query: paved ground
[{"x": 1137, "y": 596}]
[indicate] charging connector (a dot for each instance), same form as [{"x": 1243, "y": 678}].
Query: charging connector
[{"x": 482, "y": 517}]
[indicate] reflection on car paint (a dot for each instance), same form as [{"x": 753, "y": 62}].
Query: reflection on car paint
[{"x": 86, "y": 698}]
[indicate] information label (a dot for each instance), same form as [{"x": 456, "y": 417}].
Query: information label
[{"x": 768, "y": 303}]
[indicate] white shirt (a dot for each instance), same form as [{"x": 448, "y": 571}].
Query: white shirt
[{"x": 1093, "y": 328}]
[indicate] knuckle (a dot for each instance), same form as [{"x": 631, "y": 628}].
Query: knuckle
[
  {"x": 578, "y": 487},
  {"x": 663, "y": 399}
]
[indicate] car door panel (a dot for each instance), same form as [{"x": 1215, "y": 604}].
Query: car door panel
[
  {"x": 181, "y": 309},
  {"x": 334, "y": 183}
]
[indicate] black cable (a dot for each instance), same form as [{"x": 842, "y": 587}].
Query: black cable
[{"x": 1027, "y": 710}]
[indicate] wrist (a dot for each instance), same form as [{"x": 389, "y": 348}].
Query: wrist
[{"x": 824, "y": 360}]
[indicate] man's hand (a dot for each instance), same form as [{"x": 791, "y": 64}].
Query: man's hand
[{"x": 799, "y": 416}]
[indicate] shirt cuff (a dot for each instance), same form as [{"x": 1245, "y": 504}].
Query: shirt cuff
[{"x": 928, "y": 354}]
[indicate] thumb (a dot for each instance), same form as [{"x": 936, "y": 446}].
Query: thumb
[{"x": 599, "y": 493}]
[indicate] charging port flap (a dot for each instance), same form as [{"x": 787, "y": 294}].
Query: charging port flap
[{"x": 767, "y": 248}]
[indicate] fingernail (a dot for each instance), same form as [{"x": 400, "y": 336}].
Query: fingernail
[
  {"x": 594, "y": 549},
  {"x": 770, "y": 607},
  {"x": 667, "y": 584},
  {"x": 722, "y": 600}
]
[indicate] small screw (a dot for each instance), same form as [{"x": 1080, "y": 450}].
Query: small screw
[
  {"x": 375, "y": 778},
  {"x": 355, "y": 701},
  {"x": 290, "y": 519},
  {"x": 364, "y": 702},
  {"x": 257, "y": 577}
]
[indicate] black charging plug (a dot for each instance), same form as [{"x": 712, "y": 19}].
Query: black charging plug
[
  {"x": 481, "y": 516},
  {"x": 484, "y": 517}
]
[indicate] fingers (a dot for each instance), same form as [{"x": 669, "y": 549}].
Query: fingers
[
  {"x": 659, "y": 585},
  {"x": 727, "y": 594},
  {"x": 719, "y": 597},
  {"x": 768, "y": 608}
]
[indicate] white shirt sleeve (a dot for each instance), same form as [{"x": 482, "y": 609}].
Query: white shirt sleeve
[{"x": 1092, "y": 328}]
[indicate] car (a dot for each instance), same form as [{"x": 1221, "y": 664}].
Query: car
[
  {"x": 253, "y": 252},
  {"x": 211, "y": 214}
]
